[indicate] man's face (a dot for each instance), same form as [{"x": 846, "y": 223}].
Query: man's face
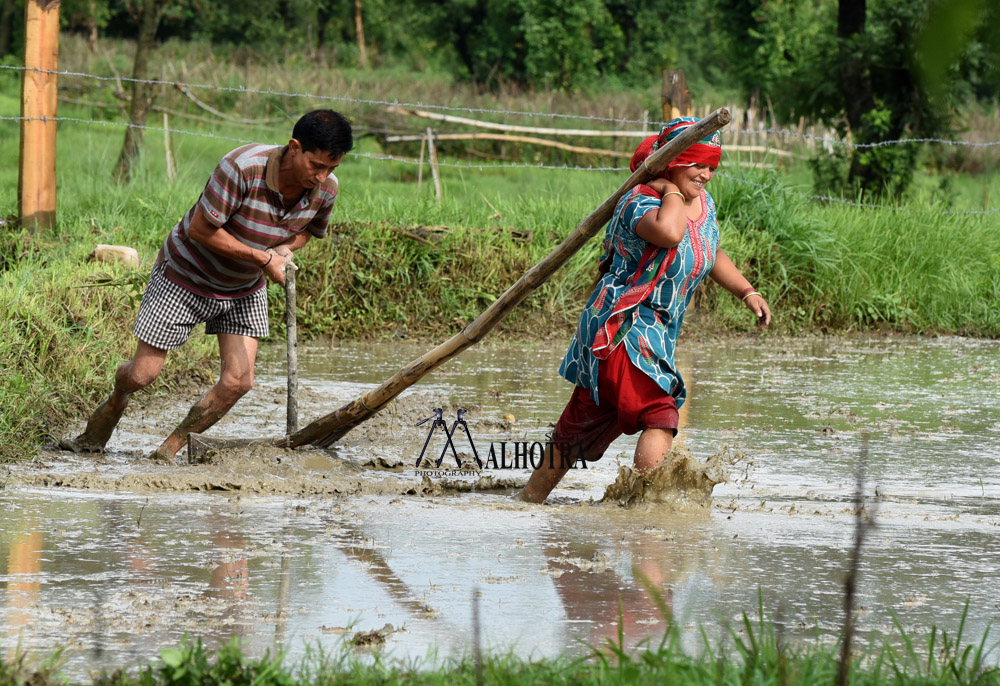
[{"x": 311, "y": 168}]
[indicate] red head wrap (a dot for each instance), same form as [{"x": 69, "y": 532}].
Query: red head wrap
[{"x": 707, "y": 151}]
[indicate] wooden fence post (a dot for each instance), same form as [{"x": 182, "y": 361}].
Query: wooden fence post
[
  {"x": 36, "y": 183},
  {"x": 675, "y": 97},
  {"x": 435, "y": 172},
  {"x": 420, "y": 164},
  {"x": 171, "y": 167}
]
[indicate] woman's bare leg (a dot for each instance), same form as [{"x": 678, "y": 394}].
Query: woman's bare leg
[
  {"x": 544, "y": 479},
  {"x": 652, "y": 448}
]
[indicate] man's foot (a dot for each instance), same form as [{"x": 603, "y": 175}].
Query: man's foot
[
  {"x": 98, "y": 432},
  {"x": 81, "y": 444},
  {"x": 161, "y": 456}
]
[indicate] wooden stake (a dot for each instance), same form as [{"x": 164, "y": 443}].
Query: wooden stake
[
  {"x": 674, "y": 96},
  {"x": 36, "y": 184},
  {"x": 292, "y": 350},
  {"x": 420, "y": 165},
  {"x": 330, "y": 428},
  {"x": 171, "y": 168},
  {"x": 435, "y": 172}
]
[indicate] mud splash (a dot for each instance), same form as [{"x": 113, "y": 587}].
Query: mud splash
[{"x": 681, "y": 481}]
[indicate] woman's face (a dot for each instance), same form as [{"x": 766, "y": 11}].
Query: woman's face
[{"x": 691, "y": 180}]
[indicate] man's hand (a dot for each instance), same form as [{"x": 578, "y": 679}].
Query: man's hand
[{"x": 275, "y": 269}]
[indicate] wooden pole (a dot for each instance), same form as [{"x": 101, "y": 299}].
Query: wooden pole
[
  {"x": 171, "y": 168},
  {"x": 330, "y": 428},
  {"x": 504, "y": 137},
  {"x": 36, "y": 184},
  {"x": 292, "y": 350},
  {"x": 420, "y": 164},
  {"x": 674, "y": 97},
  {"x": 512, "y": 128},
  {"x": 435, "y": 172}
]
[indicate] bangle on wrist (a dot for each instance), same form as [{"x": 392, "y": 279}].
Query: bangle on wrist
[
  {"x": 747, "y": 295},
  {"x": 674, "y": 193},
  {"x": 746, "y": 291},
  {"x": 270, "y": 256}
]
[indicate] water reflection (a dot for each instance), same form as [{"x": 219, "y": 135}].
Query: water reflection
[
  {"x": 24, "y": 567},
  {"x": 628, "y": 587}
]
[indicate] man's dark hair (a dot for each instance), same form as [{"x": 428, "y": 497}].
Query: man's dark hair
[{"x": 324, "y": 130}]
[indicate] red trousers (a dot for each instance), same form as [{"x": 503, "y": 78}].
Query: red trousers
[{"x": 630, "y": 402}]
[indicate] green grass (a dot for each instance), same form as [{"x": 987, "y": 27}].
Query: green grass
[
  {"x": 908, "y": 268},
  {"x": 754, "y": 654}
]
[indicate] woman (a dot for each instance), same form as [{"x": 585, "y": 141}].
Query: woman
[{"x": 660, "y": 244}]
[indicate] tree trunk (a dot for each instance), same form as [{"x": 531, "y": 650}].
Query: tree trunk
[
  {"x": 142, "y": 93},
  {"x": 359, "y": 32},
  {"x": 6, "y": 24},
  {"x": 91, "y": 23},
  {"x": 855, "y": 80}
]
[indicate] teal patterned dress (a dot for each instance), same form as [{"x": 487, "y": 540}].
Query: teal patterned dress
[{"x": 640, "y": 302}]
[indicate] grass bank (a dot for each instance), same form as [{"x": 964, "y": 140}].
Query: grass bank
[
  {"x": 398, "y": 263},
  {"x": 757, "y": 656}
]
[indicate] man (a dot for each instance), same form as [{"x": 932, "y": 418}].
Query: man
[{"x": 262, "y": 203}]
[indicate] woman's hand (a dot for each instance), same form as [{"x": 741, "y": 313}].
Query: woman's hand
[
  {"x": 725, "y": 273},
  {"x": 662, "y": 186},
  {"x": 756, "y": 304}
]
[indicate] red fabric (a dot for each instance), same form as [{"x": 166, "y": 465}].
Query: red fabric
[
  {"x": 699, "y": 153},
  {"x": 630, "y": 402}
]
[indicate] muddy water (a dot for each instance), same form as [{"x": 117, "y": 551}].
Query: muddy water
[{"x": 116, "y": 557}]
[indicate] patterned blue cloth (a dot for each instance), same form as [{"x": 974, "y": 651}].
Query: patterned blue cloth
[{"x": 652, "y": 331}]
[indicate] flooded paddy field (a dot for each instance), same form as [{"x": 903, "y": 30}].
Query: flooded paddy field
[{"x": 116, "y": 557}]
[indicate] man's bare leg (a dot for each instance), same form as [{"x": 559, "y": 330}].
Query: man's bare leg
[
  {"x": 131, "y": 376},
  {"x": 652, "y": 448},
  {"x": 544, "y": 479},
  {"x": 238, "y": 355}
]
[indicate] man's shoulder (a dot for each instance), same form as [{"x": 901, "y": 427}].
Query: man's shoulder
[
  {"x": 331, "y": 186},
  {"x": 250, "y": 156}
]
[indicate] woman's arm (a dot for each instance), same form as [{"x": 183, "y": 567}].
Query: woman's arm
[
  {"x": 729, "y": 277},
  {"x": 666, "y": 226}
]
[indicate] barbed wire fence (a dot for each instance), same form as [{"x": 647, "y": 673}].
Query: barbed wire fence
[{"x": 827, "y": 141}]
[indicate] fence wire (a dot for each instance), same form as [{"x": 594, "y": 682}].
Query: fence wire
[
  {"x": 474, "y": 110},
  {"x": 476, "y": 167}
]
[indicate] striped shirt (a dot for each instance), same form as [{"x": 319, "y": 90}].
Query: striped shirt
[{"x": 242, "y": 197}]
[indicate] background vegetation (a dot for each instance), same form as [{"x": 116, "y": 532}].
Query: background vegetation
[{"x": 875, "y": 69}]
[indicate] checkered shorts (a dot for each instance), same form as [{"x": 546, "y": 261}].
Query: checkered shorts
[{"x": 168, "y": 313}]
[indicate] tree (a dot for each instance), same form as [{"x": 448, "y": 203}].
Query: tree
[
  {"x": 856, "y": 70},
  {"x": 359, "y": 34},
  {"x": 149, "y": 16}
]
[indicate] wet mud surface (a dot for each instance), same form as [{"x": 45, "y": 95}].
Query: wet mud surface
[{"x": 358, "y": 548}]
